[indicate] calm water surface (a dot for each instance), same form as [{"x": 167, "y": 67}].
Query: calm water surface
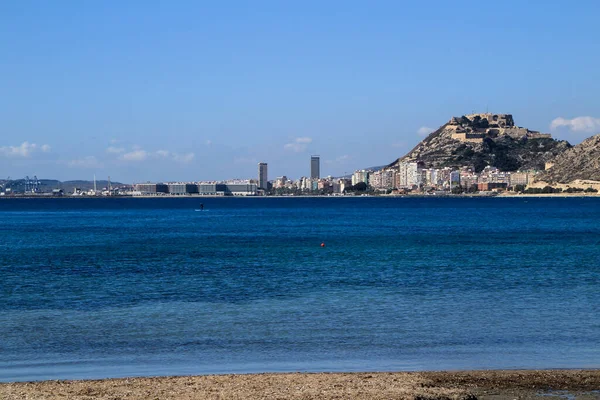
[{"x": 94, "y": 288}]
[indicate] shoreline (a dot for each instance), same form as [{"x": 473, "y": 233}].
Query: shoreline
[
  {"x": 393, "y": 196},
  {"x": 443, "y": 385}
]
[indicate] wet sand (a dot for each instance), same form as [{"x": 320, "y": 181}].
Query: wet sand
[{"x": 471, "y": 385}]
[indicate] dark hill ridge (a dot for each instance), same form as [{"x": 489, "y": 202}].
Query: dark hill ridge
[
  {"x": 479, "y": 140},
  {"x": 579, "y": 162}
]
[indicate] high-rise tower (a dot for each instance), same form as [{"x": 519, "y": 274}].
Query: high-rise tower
[
  {"x": 315, "y": 169},
  {"x": 262, "y": 176}
]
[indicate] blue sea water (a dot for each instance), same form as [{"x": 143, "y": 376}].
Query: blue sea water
[{"x": 95, "y": 288}]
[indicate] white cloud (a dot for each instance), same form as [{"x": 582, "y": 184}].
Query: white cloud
[
  {"x": 424, "y": 131},
  {"x": 578, "y": 124},
  {"x": 25, "y": 149},
  {"x": 399, "y": 144},
  {"x": 138, "y": 154},
  {"x": 295, "y": 147},
  {"x": 298, "y": 145},
  {"x": 135, "y": 155},
  {"x": 114, "y": 141},
  {"x": 181, "y": 158},
  {"x": 338, "y": 160},
  {"x": 85, "y": 162},
  {"x": 184, "y": 158},
  {"x": 208, "y": 142},
  {"x": 115, "y": 150}
]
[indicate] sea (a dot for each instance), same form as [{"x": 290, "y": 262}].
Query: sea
[{"x": 113, "y": 287}]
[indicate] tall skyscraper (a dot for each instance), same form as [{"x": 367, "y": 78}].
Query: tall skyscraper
[
  {"x": 315, "y": 169},
  {"x": 262, "y": 176}
]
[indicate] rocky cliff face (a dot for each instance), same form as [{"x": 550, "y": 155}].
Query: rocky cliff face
[
  {"x": 579, "y": 162},
  {"x": 474, "y": 141}
]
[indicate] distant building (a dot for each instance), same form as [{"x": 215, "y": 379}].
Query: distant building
[
  {"x": 344, "y": 184},
  {"x": 518, "y": 178},
  {"x": 240, "y": 189},
  {"x": 315, "y": 167},
  {"x": 182, "y": 188},
  {"x": 151, "y": 188},
  {"x": 361, "y": 176},
  {"x": 383, "y": 179},
  {"x": 281, "y": 182},
  {"x": 455, "y": 178},
  {"x": 493, "y": 174},
  {"x": 468, "y": 179},
  {"x": 429, "y": 177},
  {"x": 237, "y": 188},
  {"x": 376, "y": 180},
  {"x": 409, "y": 174},
  {"x": 211, "y": 189},
  {"x": 488, "y": 186},
  {"x": 262, "y": 176}
]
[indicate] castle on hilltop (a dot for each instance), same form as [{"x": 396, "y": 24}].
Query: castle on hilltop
[{"x": 474, "y": 128}]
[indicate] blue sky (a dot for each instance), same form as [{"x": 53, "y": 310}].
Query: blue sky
[{"x": 192, "y": 90}]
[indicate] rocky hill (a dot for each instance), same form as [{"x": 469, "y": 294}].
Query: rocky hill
[
  {"x": 579, "y": 162},
  {"x": 479, "y": 140}
]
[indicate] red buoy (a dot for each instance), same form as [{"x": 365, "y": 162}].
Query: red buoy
[{"x": 323, "y": 244}]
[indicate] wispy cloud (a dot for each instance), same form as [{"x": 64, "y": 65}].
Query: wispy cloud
[
  {"x": 424, "y": 131},
  {"x": 578, "y": 124},
  {"x": 25, "y": 149},
  {"x": 115, "y": 150},
  {"x": 85, "y": 162},
  {"x": 339, "y": 160},
  {"x": 399, "y": 144},
  {"x": 298, "y": 145},
  {"x": 184, "y": 158},
  {"x": 135, "y": 155},
  {"x": 180, "y": 158}
]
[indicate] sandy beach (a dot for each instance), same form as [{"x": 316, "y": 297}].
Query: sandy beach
[{"x": 492, "y": 385}]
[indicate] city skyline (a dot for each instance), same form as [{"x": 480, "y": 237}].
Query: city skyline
[{"x": 198, "y": 91}]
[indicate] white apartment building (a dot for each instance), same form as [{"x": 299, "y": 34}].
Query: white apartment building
[{"x": 410, "y": 174}]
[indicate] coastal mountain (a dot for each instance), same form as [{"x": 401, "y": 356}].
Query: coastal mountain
[
  {"x": 479, "y": 140},
  {"x": 579, "y": 162}
]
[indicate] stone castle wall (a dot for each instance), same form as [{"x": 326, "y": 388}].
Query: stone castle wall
[
  {"x": 502, "y": 120},
  {"x": 468, "y": 137},
  {"x": 502, "y": 125}
]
